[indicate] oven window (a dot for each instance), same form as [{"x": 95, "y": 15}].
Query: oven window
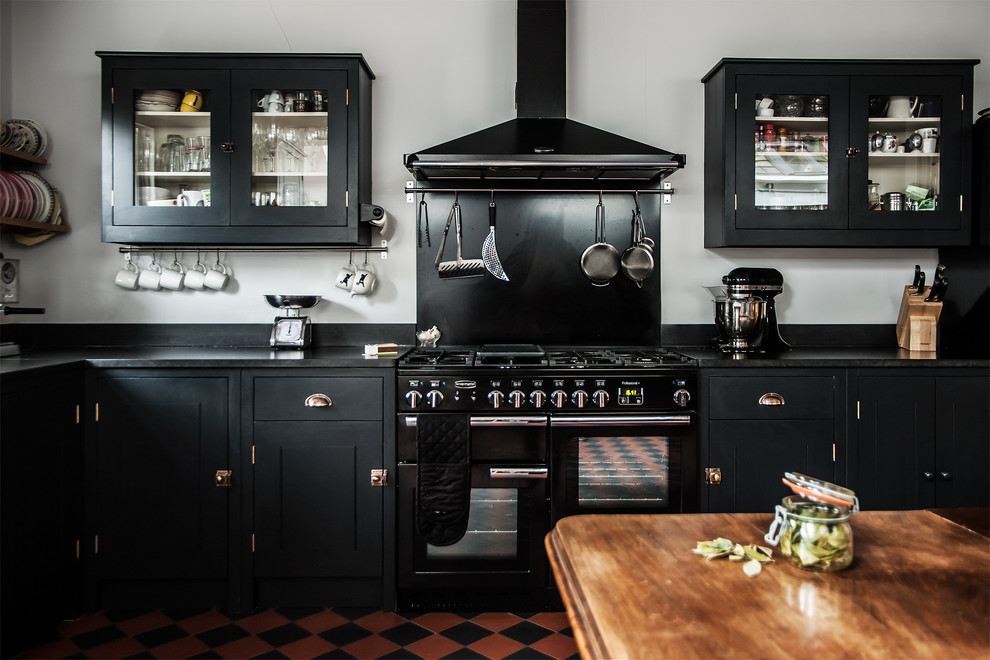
[
  {"x": 493, "y": 528},
  {"x": 623, "y": 472}
]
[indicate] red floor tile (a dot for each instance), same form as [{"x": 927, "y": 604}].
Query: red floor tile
[
  {"x": 308, "y": 647},
  {"x": 262, "y": 621},
  {"x": 248, "y": 647},
  {"x": 325, "y": 620},
  {"x": 380, "y": 621},
  {"x": 496, "y": 646},
  {"x": 61, "y": 648},
  {"x": 373, "y": 646},
  {"x": 551, "y": 620},
  {"x": 205, "y": 621},
  {"x": 144, "y": 623},
  {"x": 556, "y": 646},
  {"x": 434, "y": 646},
  {"x": 496, "y": 620},
  {"x": 438, "y": 621},
  {"x": 118, "y": 648}
]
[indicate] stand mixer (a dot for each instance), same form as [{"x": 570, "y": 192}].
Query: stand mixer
[
  {"x": 289, "y": 329},
  {"x": 745, "y": 313}
]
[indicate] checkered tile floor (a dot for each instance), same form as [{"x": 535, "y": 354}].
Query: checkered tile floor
[{"x": 310, "y": 633}]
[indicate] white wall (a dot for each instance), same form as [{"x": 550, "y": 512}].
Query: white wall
[{"x": 445, "y": 68}]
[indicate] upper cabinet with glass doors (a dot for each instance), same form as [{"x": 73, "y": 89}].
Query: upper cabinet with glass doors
[
  {"x": 205, "y": 149},
  {"x": 815, "y": 153}
]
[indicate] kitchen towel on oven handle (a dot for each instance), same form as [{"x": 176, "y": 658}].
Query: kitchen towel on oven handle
[{"x": 443, "y": 488}]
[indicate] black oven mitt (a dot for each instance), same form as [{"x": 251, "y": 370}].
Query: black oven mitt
[{"x": 443, "y": 489}]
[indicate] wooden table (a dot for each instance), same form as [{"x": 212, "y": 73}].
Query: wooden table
[{"x": 919, "y": 587}]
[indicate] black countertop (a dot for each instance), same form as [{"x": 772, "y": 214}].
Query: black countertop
[
  {"x": 353, "y": 356},
  {"x": 196, "y": 357}
]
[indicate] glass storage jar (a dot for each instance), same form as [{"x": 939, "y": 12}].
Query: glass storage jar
[{"x": 812, "y": 526}]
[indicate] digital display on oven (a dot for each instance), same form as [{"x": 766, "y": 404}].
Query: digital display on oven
[{"x": 630, "y": 395}]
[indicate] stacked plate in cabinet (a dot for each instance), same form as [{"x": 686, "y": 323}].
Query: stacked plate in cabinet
[
  {"x": 157, "y": 100},
  {"x": 24, "y": 135}
]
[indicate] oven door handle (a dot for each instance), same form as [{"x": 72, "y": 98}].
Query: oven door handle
[
  {"x": 540, "y": 420},
  {"x": 623, "y": 420},
  {"x": 518, "y": 473}
]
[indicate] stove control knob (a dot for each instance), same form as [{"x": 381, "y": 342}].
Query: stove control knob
[
  {"x": 434, "y": 398},
  {"x": 580, "y": 397},
  {"x": 600, "y": 397},
  {"x": 558, "y": 398},
  {"x": 517, "y": 398},
  {"x": 496, "y": 398},
  {"x": 537, "y": 398},
  {"x": 682, "y": 397},
  {"x": 414, "y": 398}
]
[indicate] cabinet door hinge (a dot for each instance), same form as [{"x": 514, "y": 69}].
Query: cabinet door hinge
[
  {"x": 960, "y": 203},
  {"x": 96, "y": 544},
  {"x": 857, "y": 410},
  {"x": 96, "y": 412},
  {"x": 347, "y": 97},
  {"x": 111, "y": 96},
  {"x": 962, "y": 101},
  {"x": 78, "y": 548},
  {"x": 833, "y": 452},
  {"x": 347, "y": 198},
  {"x": 252, "y": 454},
  {"x": 78, "y": 413},
  {"x": 735, "y": 100},
  {"x": 735, "y": 202},
  {"x": 111, "y": 197},
  {"x": 252, "y": 541}
]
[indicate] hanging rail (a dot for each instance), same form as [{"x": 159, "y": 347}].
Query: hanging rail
[
  {"x": 272, "y": 248},
  {"x": 631, "y": 191}
]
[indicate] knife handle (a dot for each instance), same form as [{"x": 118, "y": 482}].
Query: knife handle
[
  {"x": 917, "y": 276},
  {"x": 921, "y": 284}
]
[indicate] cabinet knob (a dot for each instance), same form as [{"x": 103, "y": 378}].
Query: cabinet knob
[
  {"x": 223, "y": 477},
  {"x": 713, "y": 476},
  {"x": 928, "y": 476},
  {"x": 771, "y": 399},
  {"x": 318, "y": 401},
  {"x": 227, "y": 147},
  {"x": 946, "y": 476},
  {"x": 852, "y": 152}
]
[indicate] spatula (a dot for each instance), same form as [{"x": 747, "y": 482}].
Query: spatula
[
  {"x": 488, "y": 252},
  {"x": 461, "y": 267}
]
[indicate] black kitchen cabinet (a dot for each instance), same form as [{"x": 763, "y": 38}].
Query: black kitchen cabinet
[
  {"x": 41, "y": 504},
  {"x": 922, "y": 440},
  {"x": 159, "y": 501},
  {"x": 318, "y": 499},
  {"x": 763, "y": 423},
  {"x": 801, "y": 176},
  {"x": 246, "y": 170}
]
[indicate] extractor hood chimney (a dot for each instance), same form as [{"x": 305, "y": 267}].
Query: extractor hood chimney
[{"x": 542, "y": 144}]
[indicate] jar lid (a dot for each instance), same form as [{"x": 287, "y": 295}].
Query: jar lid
[{"x": 820, "y": 491}]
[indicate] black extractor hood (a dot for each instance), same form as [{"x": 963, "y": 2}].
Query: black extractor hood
[{"x": 542, "y": 144}]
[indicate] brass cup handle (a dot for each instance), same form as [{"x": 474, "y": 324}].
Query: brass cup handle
[
  {"x": 771, "y": 399},
  {"x": 318, "y": 401}
]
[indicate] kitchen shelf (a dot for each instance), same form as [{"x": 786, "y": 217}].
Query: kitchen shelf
[
  {"x": 18, "y": 225},
  {"x": 905, "y": 155}
]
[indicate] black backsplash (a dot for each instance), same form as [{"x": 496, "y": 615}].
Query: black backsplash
[{"x": 548, "y": 300}]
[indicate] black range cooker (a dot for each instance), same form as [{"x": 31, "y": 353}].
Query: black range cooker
[{"x": 547, "y": 433}]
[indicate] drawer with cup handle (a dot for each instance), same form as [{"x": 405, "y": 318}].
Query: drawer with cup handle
[
  {"x": 772, "y": 397},
  {"x": 318, "y": 398}
]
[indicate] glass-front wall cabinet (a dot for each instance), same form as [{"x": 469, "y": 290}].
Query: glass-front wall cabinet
[
  {"x": 816, "y": 153},
  {"x": 267, "y": 150}
]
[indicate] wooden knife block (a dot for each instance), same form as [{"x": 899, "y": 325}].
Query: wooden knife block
[{"x": 917, "y": 321}]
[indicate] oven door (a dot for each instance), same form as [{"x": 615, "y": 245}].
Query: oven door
[
  {"x": 503, "y": 545},
  {"x": 623, "y": 464}
]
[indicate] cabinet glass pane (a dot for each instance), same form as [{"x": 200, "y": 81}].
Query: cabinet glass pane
[
  {"x": 904, "y": 148},
  {"x": 289, "y": 148},
  {"x": 172, "y": 149},
  {"x": 791, "y": 151}
]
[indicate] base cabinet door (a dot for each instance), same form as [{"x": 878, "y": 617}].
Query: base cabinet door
[
  {"x": 922, "y": 440},
  {"x": 317, "y": 512},
  {"x": 760, "y": 424},
  {"x": 40, "y": 506},
  {"x": 158, "y": 508}
]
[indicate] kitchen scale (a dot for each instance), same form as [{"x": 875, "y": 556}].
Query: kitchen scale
[{"x": 290, "y": 330}]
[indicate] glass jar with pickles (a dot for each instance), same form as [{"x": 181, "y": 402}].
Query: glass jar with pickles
[{"x": 812, "y": 526}]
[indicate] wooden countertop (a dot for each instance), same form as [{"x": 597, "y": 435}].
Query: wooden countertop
[{"x": 919, "y": 587}]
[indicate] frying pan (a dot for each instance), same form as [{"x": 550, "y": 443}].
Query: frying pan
[
  {"x": 637, "y": 260},
  {"x": 600, "y": 261}
]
